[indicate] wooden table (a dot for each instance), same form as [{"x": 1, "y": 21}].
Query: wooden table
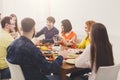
[{"x": 67, "y": 68}]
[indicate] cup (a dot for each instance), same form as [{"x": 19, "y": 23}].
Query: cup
[{"x": 56, "y": 40}]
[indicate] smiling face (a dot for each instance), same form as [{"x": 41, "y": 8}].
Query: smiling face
[
  {"x": 14, "y": 18},
  {"x": 87, "y": 28},
  {"x": 88, "y": 25},
  {"x": 62, "y": 27},
  {"x": 49, "y": 24},
  {"x": 11, "y": 25}
]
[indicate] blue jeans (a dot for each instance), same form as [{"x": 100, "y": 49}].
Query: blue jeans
[
  {"x": 5, "y": 73},
  {"x": 55, "y": 77}
]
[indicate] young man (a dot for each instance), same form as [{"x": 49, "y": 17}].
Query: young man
[
  {"x": 5, "y": 40},
  {"x": 24, "y": 53},
  {"x": 49, "y": 31}
]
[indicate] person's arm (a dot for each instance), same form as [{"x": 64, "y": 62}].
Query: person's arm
[
  {"x": 81, "y": 45},
  {"x": 30, "y": 55},
  {"x": 72, "y": 41},
  {"x": 83, "y": 60},
  {"x": 48, "y": 40},
  {"x": 44, "y": 65},
  {"x": 40, "y": 32}
]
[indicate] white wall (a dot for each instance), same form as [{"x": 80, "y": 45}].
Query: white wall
[
  {"x": 1, "y": 3},
  {"x": 77, "y": 11},
  {"x": 37, "y": 9},
  {"x": 116, "y": 48}
]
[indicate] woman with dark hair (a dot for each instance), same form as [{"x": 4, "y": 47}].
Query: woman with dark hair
[
  {"x": 69, "y": 37},
  {"x": 16, "y": 30},
  {"x": 98, "y": 53}
]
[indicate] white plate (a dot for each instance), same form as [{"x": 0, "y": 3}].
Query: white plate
[
  {"x": 72, "y": 56},
  {"x": 75, "y": 50},
  {"x": 70, "y": 61}
]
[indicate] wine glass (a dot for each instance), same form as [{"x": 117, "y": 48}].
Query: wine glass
[{"x": 56, "y": 39}]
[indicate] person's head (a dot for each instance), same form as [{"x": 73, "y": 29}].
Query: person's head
[
  {"x": 14, "y": 18},
  {"x": 6, "y": 24},
  {"x": 88, "y": 25},
  {"x": 50, "y": 21},
  {"x": 28, "y": 26},
  {"x": 66, "y": 26},
  {"x": 101, "y": 49}
]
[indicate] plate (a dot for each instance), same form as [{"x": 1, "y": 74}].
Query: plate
[
  {"x": 56, "y": 48},
  {"x": 76, "y": 51},
  {"x": 72, "y": 56},
  {"x": 70, "y": 61}
]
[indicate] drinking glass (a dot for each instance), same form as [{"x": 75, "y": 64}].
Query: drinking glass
[{"x": 56, "y": 40}]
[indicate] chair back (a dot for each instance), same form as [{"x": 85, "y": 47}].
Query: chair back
[
  {"x": 108, "y": 73},
  {"x": 16, "y": 71}
]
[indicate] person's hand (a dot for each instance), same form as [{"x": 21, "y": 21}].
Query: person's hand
[
  {"x": 36, "y": 41},
  {"x": 63, "y": 53},
  {"x": 14, "y": 35}
]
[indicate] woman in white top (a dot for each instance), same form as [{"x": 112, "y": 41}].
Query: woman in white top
[{"x": 98, "y": 53}]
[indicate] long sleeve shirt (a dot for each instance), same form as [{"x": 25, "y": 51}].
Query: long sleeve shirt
[
  {"x": 69, "y": 39},
  {"x": 83, "y": 44},
  {"x": 5, "y": 40},
  {"x": 48, "y": 34},
  {"x": 24, "y": 53}
]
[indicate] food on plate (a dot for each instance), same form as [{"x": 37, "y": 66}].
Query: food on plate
[
  {"x": 44, "y": 48},
  {"x": 70, "y": 56},
  {"x": 38, "y": 46}
]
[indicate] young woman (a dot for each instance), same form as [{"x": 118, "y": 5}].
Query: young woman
[
  {"x": 69, "y": 37},
  {"x": 86, "y": 40},
  {"x": 82, "y": 45},
  {"x": 98, "y": 53},
  {"x": 16, "y": 31}
]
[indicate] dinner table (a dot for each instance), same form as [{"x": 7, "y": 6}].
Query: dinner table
[{"x": 65, "y": 68}]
